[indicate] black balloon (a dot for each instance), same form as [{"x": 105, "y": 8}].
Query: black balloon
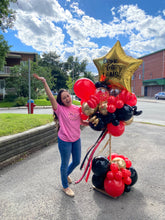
[
  {"x": 127, "y": 188},
  {"x": 115, "y": 122},
  {"x": 98, "y": 181},
  {"x": 99, "y": 127},
  {"x": 125, "y": 113},
  {"x": 108, "y": 118},
  {"x": 134, "y": 176},
  {"x": 100, "y": 84},
  {"x": 100, "y": 165},
  {"x": 135, "y": 112}
]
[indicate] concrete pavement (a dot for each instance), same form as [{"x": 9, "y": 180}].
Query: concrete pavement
[{"x": 31, "y": 188}]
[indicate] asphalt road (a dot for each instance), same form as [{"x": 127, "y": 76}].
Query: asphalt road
[
  {"x": 31, "y": 189},
  {"x": 153, "y": 111}
]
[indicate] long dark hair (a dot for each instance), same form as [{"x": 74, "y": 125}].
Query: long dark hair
[
  {"x": 59, "y": 101},
  {"x": 59, "y": 96}
]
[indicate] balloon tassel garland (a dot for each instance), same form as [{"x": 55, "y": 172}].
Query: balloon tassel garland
[
  {"x": 82, "y": 164},
  {"x": 89, "y": 163}
]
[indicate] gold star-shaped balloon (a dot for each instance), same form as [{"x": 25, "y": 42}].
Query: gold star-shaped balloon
[{"x": 117, "y": 67}]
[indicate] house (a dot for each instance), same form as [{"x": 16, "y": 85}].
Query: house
[
  {"x": 13, "y": 58},
  {"x": 149, "y": 78}
]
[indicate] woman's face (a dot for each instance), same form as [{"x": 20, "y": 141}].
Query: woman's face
[{"x": 66, "y": 98}]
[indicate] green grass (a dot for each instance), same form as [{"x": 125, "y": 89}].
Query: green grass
[
  {"x": 6, "y": 104},
  {"x": 11, "y": 123},
  {"x": 42, "y": 102}
]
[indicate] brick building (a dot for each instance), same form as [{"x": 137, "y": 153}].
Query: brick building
[
  {"x": 12, "y": 59},
  {"x": 150, "y": 76}
]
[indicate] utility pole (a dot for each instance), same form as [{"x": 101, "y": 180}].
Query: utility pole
[{"x": 29, "y": 87}]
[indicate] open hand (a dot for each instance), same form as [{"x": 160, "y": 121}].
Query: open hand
[{"x": 39, "y": 78}]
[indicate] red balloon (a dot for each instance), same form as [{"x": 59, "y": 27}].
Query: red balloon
[
  {"x": 122, "y": 156},
  {"x": 84, "y": 88},
  {"x": 111, "y": 99},
  {"x": 111, "y": 108},
  {"x": 116, "y": 130},
  {"x": 113, "y": 155},
  {"x": 113, "y": 187},
  {"x": 110, "y": 175},
  {"x": 114, "y": 167},
  {"x": 102, "y": 95},
  {"x": 131, "y": 99},
  {"x": 95, "y": 98},
  {"x": 128, "y": 163},
  {"x": 119, "y": 103},
  {"x": 127, "y": 180},
  {"x": 126, "y": 173},
  {"x": 92, "y": 103},
  {"x": 118, "y": 175},
  {"x": 123, "y": 94}
]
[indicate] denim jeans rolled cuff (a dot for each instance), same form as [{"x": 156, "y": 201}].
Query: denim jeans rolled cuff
[{"x": 67, "y": 149}]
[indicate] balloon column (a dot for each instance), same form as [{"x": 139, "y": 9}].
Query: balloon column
[{"x": 109, "y": 105}]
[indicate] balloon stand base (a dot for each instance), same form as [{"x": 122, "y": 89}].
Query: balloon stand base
[{"x": 102, "y": 191}]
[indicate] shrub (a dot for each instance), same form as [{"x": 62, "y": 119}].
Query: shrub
[
  {"x": 20, "y": 101},
  {"x": 10, "y": 97}
]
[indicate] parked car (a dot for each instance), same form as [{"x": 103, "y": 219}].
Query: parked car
[
  {"x": 160, "y": 95},
  {"x": 54, "y": 93}
]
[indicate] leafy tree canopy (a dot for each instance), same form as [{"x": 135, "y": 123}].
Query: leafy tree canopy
[
  {"x": 4, "y": 48},
  {"x": 7, "y": 18},
  {"x": 19, "y": 80},
  {"x": 74, "y": 67},
  {"x": 7, "y": 15}
]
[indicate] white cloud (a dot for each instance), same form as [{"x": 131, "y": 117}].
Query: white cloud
[
  {"x": 75, "y": 8},
  {"x": 46, "y": 26}
]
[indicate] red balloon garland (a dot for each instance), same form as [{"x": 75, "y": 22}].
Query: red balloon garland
[{"x": 107, "y": 113}]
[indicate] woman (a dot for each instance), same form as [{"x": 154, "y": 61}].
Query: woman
[{"x": 69, "y": 142}]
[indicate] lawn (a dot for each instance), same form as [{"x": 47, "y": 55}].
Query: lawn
[{"x": 11, "y": 123}]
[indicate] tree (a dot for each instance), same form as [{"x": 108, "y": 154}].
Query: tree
[
  {"x": 70, "y": 84},
  {"x": 74, "y": 67},
  {"x": 7, "y": 18},
  {"x": 89, "y": 76},
  {"x": 4, "y": 48},
  {"x": 18, "y": 80},
  {"x": 59, "y": 76},
  {"x": 50, "y": 60},
  {"x": 7, "y": 15}
]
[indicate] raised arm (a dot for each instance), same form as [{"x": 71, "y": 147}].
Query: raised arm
[{"x": 48, "y": 91}]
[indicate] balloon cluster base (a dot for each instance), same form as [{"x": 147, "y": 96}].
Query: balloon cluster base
[{"x": 103, "y": 192}]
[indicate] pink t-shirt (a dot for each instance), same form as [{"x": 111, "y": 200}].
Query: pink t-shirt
[{"x": 69, "y": 120}]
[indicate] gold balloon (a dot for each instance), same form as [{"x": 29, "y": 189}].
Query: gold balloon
[
  {"x": 128, "y": 122},
  {"x": 103, "y": 108},
  {"x": 121, "y": 163},
  {"x": 116, "y": 67},
  {"x": 87, "y": 110},
  {"x": 94, "y": 120}
]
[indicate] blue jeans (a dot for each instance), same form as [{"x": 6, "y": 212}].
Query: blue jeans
[{"x": 66, "y": 149}]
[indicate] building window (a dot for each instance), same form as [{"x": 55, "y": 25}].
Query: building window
[
  {"x": 139, "y": 76},
  {"x": 2, "y": 84}
]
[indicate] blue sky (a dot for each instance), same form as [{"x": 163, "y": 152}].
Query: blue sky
[{"x": 88, "y": 29}]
